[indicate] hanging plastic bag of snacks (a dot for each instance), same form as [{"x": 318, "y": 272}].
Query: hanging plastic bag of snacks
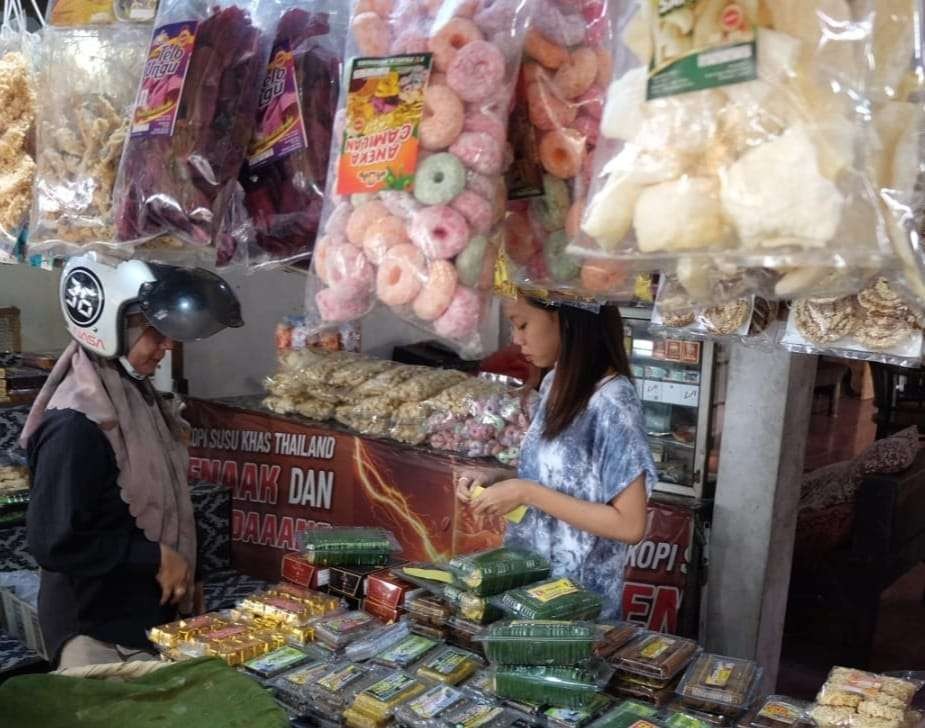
[
  {"x": 416, "y": 197},
  {"x": 287, "y": 160},
  {"x": 18, "y": 56},
  {"x": 732, "y": 143},
  {"x": 177, "y": 189},
  {"x": 89, "y": 79}
]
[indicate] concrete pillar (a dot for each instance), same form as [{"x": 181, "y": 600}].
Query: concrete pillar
[{"x": 768, "y": 407}]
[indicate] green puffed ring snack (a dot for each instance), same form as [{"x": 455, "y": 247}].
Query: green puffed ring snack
[
  {"x": 469, "y": 262},
  {"x": 562, "y": 266},
  {"x": 439, "y": 179},
  {"x": 551, "y": 209}
]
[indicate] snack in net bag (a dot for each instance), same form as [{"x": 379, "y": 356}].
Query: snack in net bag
[
  {"x": 414, "y": 207},
  {"x": 192, "y": 121},
  {"x": 18, "y": 53},
  {"x": 287, "y": 160},
  {"x": 732, "y": 140},
  {"x": 89, "y": 79}
]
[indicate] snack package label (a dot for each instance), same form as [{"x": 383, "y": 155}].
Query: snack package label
[
  {"x": 477, "y": 715},
  {"x": 656, "y": 648},
  {"x": 503, "y": 283},
  {"x": 345, "y": 625},
  {"x": 163, "y": 80},
  {"x": 391, "y": 687},
  {"x": 699, "y": 45},
  {"x": 306, "y": 674},
  {"x": 567, "y": 716},
  {"x": 223, "y": 634},
  {"x": 280, "y": 128},
  {"x": 720, "y": 674},
  {"x": 525, "y": 175},
  {"x": 435, "y": 701},
  {"x": 447, "y": 663},
  {"x": 778, "y": 711},
  {"x": 643, "y": 724},
  {"x": 385, "y": 106},
  {"x": 408, "y": 650},
  {"x": 286, "y": 605},
  {"x": 275, "y": 661},
  {"x": 341, "y": 678},
  {"x": 69, "y": 13},
  {"x": 553, "y": 590}
]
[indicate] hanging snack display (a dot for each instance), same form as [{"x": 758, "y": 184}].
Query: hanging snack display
[
  {"x": 852, "y": 697},
  {"x": 717, "y": 684},
  {"x": 491, "y": 572},
  {"x": 564, "y": 687},
  {"x": 546, "y": 642},
  {"x": 193, "y": 119},
  {"x": 17, "y": 115},
  {"x": 552, "y": 599},
  {"x": 414, "y": 212},
  {"x": 354, "y": 546},
  {"x": 711, "y": 110},
  {"x": 287, "y": 160},
  {"x": 877, "y": 324}
]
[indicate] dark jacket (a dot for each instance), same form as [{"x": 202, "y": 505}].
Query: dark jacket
[{"x": 98, "y": 568}]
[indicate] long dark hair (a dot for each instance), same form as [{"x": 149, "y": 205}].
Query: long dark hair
[{"x": 590, "y": 348}]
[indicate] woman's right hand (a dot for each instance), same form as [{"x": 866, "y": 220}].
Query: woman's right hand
[{"x": 175, "y": 576}]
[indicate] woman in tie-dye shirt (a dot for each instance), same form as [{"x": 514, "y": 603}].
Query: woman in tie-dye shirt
[{"x": 586, "y": 470}]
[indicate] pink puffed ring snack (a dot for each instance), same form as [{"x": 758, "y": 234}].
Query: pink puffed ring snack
[
  {"x": 362, "y": 217},
  {"x": 371, "y": 34},
  {"x": 478, "y": 211},
  {"x": 347, "y": 264},
  {"x": 401, "y": 275},
  {"x": 384, "y": 233},
  {"x": 488, "y": 123},
  {"x": 574, "y": 78},
  {"x": 447, "y": 41},
  {"x": 443, "y": 118},
  {"x": 439, "y": 232},
  {"x": 434, "y": 298},
  {"x": 591, "y": 102},
  {"x": 382, "y": 8},
  {"x": 477, "y": 71},
  {"x": 338, "y": 305},
  {"x": 323, "y": 247},
  {"x": 547, "y": 111},
  {"x": 479, "y": 151},
  {"x": 461, "y": 320}
]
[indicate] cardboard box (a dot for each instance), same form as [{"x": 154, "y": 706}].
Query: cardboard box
[
  {"x": 383, "y": 612},
  {"x": 297, "y": 570},
  {"x": 21, "y": 620},
  {"x": 350, "y": 581},
  {"x": 388, "y": 590}
]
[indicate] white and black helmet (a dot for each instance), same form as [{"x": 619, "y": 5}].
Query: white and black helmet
[{"x": 184, "y": 304}]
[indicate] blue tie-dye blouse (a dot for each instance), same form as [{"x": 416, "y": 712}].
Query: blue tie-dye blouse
[{"x": 600, "y": 454}]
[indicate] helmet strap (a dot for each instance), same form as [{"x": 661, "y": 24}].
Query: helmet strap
[{"x": 130, "y": 370}]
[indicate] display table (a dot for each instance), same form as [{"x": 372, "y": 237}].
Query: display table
[{"x": 287, "y": 473}]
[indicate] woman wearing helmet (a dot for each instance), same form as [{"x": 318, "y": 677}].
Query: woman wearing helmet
[{"x": 110, "y": 519}]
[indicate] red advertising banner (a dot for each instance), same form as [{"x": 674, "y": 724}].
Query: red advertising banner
[{"x": 287, "y": 475}]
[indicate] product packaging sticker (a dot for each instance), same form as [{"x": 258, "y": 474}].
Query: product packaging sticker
[
  {"x": 348, "y": 622},
  {"x": 476, "y": 715},
  {"x": 163, "y": 79},
  {"x": 305, "y": 675},
  {"x": 447, "y": 662},
  {"x": 70, "y": 13},
  {"x": 339, "y": 679},
  {"x": 280, "y": 128},
  {"x": 657, "y": 647},
  {"x": 224, "y": 634},
  {"x": 385, "y": 106},
  {"x": 408, "y": 650},
  {"x": 698, "y": 46},
  {"x": 780, "y": 711},
  {"x": 553, "y": 590},
  {"x": 720, "y": 675},
  {"x": 277, "y": 661},
  {"x": 391, "y": 687},
  {"x": 435, "y": 701}
]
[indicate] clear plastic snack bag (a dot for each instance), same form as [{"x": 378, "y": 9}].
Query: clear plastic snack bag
[
  {"x": 19, "y": 54},
  {"x": 416, "y": 196},
  {"x": 733, "y": 142},
  {"x": 177, "y": 190},
  {"x": 89, "y": 79},
  {"x": 287, "y": 159}
]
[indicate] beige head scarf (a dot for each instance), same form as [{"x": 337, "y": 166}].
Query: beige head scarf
[{"x": 148, "y": 441}]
